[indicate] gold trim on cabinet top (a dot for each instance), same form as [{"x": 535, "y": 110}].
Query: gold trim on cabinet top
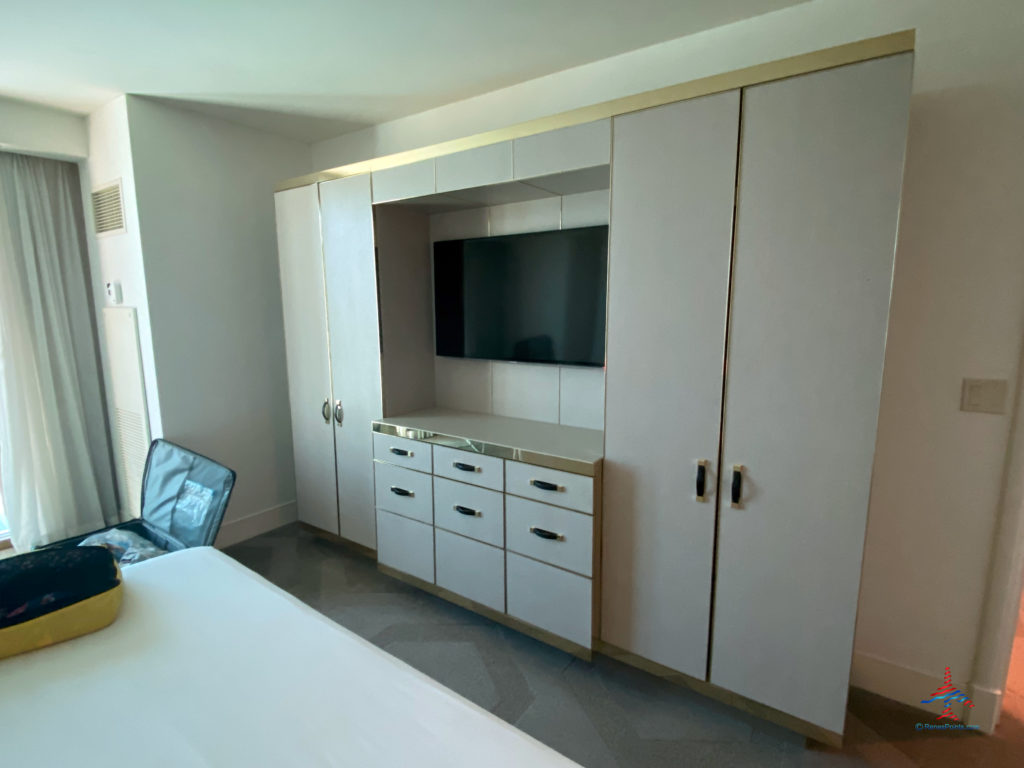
[
  {"x": 482, "y": 447},
  {"x": 801, "y": 64}
]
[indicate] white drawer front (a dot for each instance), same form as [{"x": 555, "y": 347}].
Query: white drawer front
[
  {"x": 529, "y": 530},
  {"x": 549, "y": 598},
  {"x": 404, "y": 492},
  {"x": 550, "y": 486},
  {"x": 471, "y": 569},
  {"x": 402, "y": 451},
  {"x": 469, "y": 467},
  {"x": 405, "y": 545},
  {"x": 475, "y": 512}
]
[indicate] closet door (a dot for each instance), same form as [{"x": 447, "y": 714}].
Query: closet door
[
  {"x": 819, "y": 195},
  {"x": 673, "y": 183},
  {"x": 309, "y": 376},
  {"x": 350, "y": 265}
]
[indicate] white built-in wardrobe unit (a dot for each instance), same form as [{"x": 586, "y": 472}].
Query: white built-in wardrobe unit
[
  {"x": 329, "y": 295},
  {"x": 752, "y": 235}
]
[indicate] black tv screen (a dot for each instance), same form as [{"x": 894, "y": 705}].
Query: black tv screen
[{"x": 537, "y": 298}]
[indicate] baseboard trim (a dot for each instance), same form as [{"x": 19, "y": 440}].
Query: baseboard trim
[
  {"x": 234, "y": 531},
  {"x": 988, "y": 703},
  {"x": 911, "y": 686}
]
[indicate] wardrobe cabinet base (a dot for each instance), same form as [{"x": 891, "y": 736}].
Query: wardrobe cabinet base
[
  {"x": 501, "y": 618},
  {"x": 762, "y": 711}
]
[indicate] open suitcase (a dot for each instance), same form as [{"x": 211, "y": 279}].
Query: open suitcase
[{"x": 184, "y": 496}]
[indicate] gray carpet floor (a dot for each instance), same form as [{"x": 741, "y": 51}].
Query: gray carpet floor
[{"x": 601, "y": 714}]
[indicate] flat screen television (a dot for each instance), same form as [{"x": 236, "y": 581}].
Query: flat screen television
[{"x": 535, "y": 298}]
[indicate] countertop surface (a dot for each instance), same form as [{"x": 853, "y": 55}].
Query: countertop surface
[{"x": 575, "y": 443}]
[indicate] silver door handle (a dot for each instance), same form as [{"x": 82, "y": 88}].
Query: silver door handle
[
  {"x": 339, "y": 413},
  {"x": 325, "y": 411}
]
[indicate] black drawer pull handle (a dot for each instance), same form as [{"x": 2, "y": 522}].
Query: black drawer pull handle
[
  {"x": 737, "y": 485},
  {"x": 466, "y": 510},
  {"x": 544, "y": 485},
  {"x": 400, "y": 452},
  {"x": 465, "y": 467},
  {"x": 702, "y": 479},
  {"x": 400, "y": 491},
  {"x": 546, "y": 534}
]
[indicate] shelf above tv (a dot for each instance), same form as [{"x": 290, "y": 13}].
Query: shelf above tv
[{"x": 571, "y": 449}]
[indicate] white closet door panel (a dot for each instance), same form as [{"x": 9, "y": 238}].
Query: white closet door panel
[
  {"x": 309, "y": 377},
  {"x": 674, "y": 172},
  {"x": 818, "y": 202},
  {"x": 350, "y": 265}
]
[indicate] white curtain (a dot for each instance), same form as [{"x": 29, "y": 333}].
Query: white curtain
[{"x": 56, "y": 473}]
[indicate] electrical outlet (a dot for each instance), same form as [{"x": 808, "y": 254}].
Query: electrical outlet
[{"x": 984, "y": 395}]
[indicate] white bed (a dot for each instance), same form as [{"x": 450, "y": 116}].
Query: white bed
[{"x": 209, "y": 664}]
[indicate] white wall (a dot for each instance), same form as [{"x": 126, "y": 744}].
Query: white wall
[
  {"x": 205, "y": 198},
  {"x": 566, "y": 394},
  {"x": 118, "y": 256},
  {"x": 957, "y": 301},
  {"x": 36, "y": 130}
]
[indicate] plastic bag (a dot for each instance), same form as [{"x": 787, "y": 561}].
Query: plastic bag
[{"x": 126, "y": 546}]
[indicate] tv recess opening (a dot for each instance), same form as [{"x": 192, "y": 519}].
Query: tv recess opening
[{"x": 534, "y": 298}]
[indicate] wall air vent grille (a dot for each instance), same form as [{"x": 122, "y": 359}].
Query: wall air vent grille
[{"x": 107, "y": 209}]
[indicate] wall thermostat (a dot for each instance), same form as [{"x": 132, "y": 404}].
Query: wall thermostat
[{"x": 114, "y": 292}]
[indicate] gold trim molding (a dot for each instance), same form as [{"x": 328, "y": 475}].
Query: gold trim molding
[{"x": 802, "y": 64}]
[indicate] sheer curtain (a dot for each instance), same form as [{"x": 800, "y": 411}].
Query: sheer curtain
[{"x": 56, "y": 472}]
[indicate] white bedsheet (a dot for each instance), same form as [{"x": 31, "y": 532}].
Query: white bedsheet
[{"x": 209, "y": 664}]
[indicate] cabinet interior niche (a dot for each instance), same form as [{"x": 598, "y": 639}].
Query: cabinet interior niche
[{"x": 404, "y": 232}]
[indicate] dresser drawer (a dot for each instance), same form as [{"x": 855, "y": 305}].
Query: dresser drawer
[
  {"x": 552, "y": 534},
  {"x": 549, "y": 598},
  {"x": 471, "y": 511},
  {"x": 469, "y": 467},
  {"x": 470, "y": 569},
  {"x": 405, "y": 545},
  {"x": 402, "y": 451},
  {"x": 404, "y": 491},
  {"x": 550, "y": 486}
]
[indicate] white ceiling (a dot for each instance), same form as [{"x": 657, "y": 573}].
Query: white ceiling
[{"x": 317, "y": 68}]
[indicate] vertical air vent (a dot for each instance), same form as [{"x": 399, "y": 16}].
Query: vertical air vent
[{"x": 107, "y": 210}]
